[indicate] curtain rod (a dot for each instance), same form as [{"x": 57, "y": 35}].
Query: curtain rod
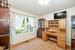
[{"x": 20, "y": 14}]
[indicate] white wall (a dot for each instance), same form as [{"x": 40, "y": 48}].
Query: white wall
[
  {"x": 73, "y": 33},
  {"x": 17, "y": 38},
  {"x": 70, "y": 11}
]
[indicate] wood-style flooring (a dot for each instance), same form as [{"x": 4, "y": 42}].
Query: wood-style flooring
[{"x": 36, "y": 44}]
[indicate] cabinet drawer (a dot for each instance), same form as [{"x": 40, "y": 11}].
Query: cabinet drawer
[
  {"x": 61, "y": 38},
  {"x": 62, "y": 31},
  {"x": 61, "y": 43},
  {"x": 61, "y": 35}
]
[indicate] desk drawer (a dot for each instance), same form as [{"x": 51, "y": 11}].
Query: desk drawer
[
  {"x": 61, "y": 38},
  {"x": 61, "y": 35},
  {"x": 61, "y": 43}
]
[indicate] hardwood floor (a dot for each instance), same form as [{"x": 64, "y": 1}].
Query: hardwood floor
[
  {"x": 1, "y": 48},
  {"x": 36, "y": 44}
]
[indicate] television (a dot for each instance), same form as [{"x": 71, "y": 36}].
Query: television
[{"x": 60, "y": 15}]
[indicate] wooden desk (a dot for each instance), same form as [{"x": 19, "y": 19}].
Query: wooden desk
[
  {"x": 60, "y": 38},
  {"x": 55, "y": 28},
  {"x": 45, "y": 37}
]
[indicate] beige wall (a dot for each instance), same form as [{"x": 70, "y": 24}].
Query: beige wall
[
  {"x": 70, "y": 11},
  {"x": 17, "y": 38}
]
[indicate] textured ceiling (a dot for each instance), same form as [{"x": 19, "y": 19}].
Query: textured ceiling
[{"x": 33, "y": 7}]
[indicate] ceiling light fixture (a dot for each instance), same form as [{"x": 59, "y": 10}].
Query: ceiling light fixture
[{"x": 44, "y": 2}]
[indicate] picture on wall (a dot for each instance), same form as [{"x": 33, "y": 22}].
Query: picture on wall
[{"x": 23, "y": 24}]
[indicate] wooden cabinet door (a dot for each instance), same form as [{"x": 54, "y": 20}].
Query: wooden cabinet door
[
  {"x": 62, "y": 23},
  {"x": 4, "y": 27},
  {"x": 46, "y": 23},
  {"x": 4, "y": 41},
  {"x": 61, "y": 43},
  {"x": 4, "y": 21},
  {"x": 73, "y": 43},
  {"x": 39, "y": 33},
  {"x": 61, "y": 40}
]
